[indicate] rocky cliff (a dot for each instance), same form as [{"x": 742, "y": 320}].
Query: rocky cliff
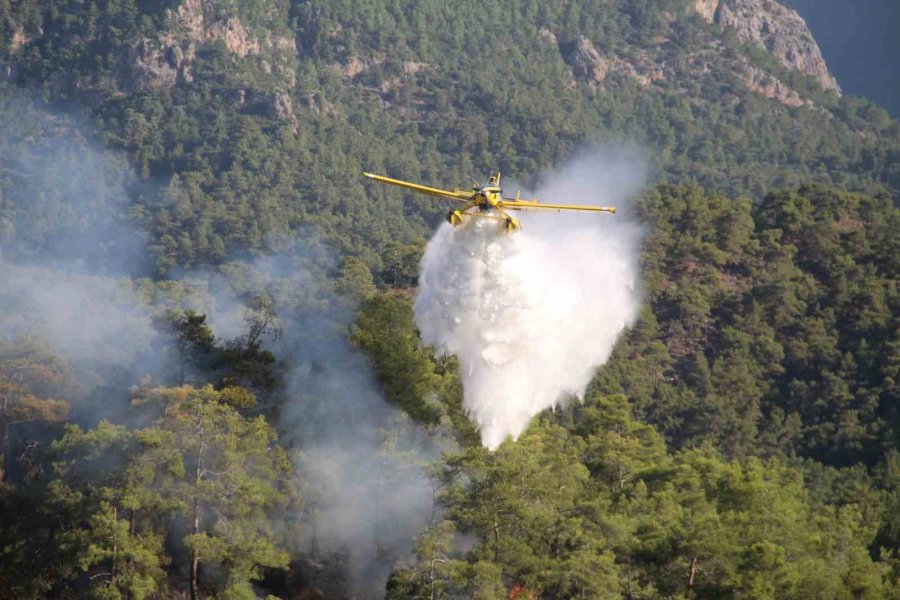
[
  {"x": 654, "y": 67},
  {"x": 777, "y": 28},
  {"x": 265, "y": 53},
  {"x": 168, "y": 59}
]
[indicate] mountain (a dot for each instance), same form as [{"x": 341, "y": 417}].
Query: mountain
[
  {"x": 390, "y": 91},
  {"x": 211, "y": 381}
]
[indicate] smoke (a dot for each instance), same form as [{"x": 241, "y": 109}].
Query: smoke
[
  {"x": 90, "y": 320},
  {"x": 532, "y": 315},
  {"x": 63, "y": 199},
  {"x": 64, "y": 243},
  {"x": 67, "y": 253},
  {"x": 367, "y": 493},
  {"x": 360, "y": 461}
]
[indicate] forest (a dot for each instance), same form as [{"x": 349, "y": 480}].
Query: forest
[{"x": 211, "y": 382}]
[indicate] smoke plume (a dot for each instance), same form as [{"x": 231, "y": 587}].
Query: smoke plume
[
  {"x": 65, "y": 247},
  {"x": 361, "y": 459},
  {"x": 532, "y": 315},
  {"x": 68, "y": 253}
]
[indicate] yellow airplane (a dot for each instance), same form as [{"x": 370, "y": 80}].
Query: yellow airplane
[{"x": 485, "y": 200}]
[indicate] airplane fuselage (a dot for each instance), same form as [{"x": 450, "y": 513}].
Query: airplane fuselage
[{"x": 487, "y": 197}]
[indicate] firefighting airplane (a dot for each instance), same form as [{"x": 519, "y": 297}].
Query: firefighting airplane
[{"x": 487, "y": 201}]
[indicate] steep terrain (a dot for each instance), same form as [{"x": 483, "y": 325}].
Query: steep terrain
[
  {"x": 315, "y": 93},
  {"x": 188, "y": 249},
  {"x": 780, "y": 30}
]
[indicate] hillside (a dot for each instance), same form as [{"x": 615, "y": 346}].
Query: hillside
[
  {"x": 211, "y": 381},
  {"x": 270, "y": 110}
]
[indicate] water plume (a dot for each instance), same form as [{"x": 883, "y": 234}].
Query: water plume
[{"x": 532, "y": 315}]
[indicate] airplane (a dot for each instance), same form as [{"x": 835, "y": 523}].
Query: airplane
[{"x": 485, "y": 200}]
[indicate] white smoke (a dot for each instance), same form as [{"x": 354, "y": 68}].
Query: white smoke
[
  {"x": 90, "y": 320},
  {"x": 66, "y": 252},
  {"x": 532, "y": 315}
]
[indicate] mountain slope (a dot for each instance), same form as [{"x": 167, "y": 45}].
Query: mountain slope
[
  {"x": 270, "y": 109},
  {"x": 740, "y": 443}
]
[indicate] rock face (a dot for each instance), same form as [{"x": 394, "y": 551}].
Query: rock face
[
  {"x": 652, "y": 70},
  {"x": 780, "y": 30},
  {"x": 17, "y": 41},
  {"x": 590, "y": 66},
  {"x": 233, "y": 33},
  {"x": 707, "y": 9},
  {"x": 168, "y": 59},
  {"x": 160, "y": 63},
  {"x": 189, "y": 17},
  {"x": 278, "y": 105},
  {"x": 587, "y": 63},
  {"x": 762, "y": 83}
]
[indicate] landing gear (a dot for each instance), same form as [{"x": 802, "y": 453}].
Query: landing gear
[
  {"x": 512, "y": 225},
  {"x": 454, "y": 217}
]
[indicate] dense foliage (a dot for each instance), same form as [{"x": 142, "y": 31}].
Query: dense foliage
[
  {"x": 251, "y": 142},
  {"x": 742, "y": 442},
  {"x": 766, "y": 358},
  {"x": 780, "y": 325},
  {"x": 602, "y": 511}
]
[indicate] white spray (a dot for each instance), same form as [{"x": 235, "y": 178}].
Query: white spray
[{"x": 532, "y": 315}]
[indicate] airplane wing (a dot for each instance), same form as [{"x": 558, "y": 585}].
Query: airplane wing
[
  {"x": 423, "y": 189},
  {"x": 529, "y": 204}
]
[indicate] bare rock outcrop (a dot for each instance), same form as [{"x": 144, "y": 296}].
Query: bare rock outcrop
[
  {"x": 412, "y": 67},
  {"x": 590, "y": 66},
  {"x": 19, "y": 38},
  {"x": 160, "y": 63},
  {"x": 353, "y": 67},
  {"x": 235, "y": 37},
  {"x": 167, "y": 60},
  {"x": 653, "y": 70},
  {"x": 779, "y": 29},
  {"x": 771, "y": 87},
  {"x": 587, "y": 63},
  {"x": 277, "y": 105},
  {"x": 199, "y": 23},
  {"x": 188, "y": 18},
  {"x": 707, "y": 9}
]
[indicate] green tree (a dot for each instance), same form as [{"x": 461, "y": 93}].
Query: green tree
[
  {"x": 194, "y": 343},
  {"x": 30, "y": 376},
  {"x": 98, "y": 523},
  {"x": 384, "y": 330},
  {"x": 120, "y": 483},
  {"x": 401, "y": 264},
  {"x": 354, "y": 282},
  {"x": 235, "y": 478}
]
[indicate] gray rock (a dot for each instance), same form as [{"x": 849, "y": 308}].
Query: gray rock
[
  {"x": 779, "y": 29},
  {"x": 587, "y": 62}
]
